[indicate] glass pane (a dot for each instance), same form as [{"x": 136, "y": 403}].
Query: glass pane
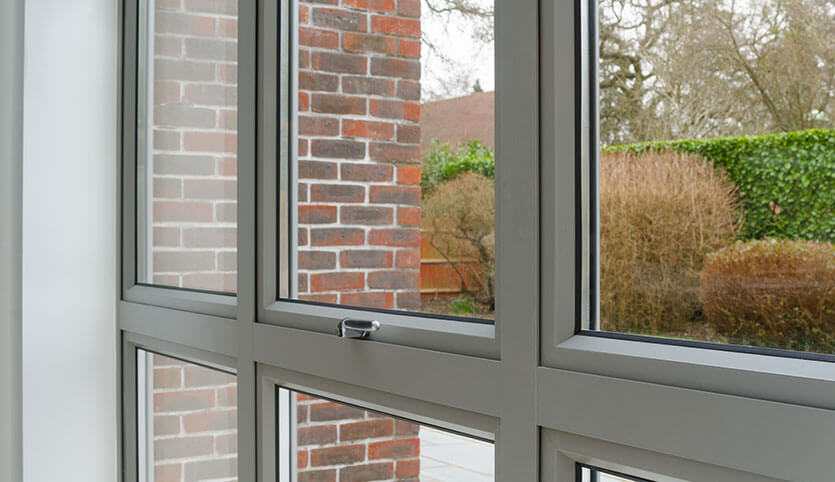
[
  {"x": 187, "y": 421},
  {"x": 187, "y": 144},
  {"x": 592, "y": 474},
  {"x": 717, "y": 171},
  {"x": 395, "y": 196},
  {"x": 334, "y": 441}
]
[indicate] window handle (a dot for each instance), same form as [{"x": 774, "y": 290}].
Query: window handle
[{"x": 351, "y": 328}]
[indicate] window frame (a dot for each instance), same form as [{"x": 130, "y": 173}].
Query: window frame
[{"x": 530, "y": 385}]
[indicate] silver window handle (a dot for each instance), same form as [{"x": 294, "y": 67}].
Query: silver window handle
[{"x": 351, "y": 328}]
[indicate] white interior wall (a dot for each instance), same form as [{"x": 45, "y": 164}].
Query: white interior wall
[{"x": 69, "y": 241}]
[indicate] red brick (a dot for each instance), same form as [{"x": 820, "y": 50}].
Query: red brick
[
  {"x": 164, "y": 236},
  {"x": 394, "y": 280},
  {"x": 212, "y": 469},
  {"x": 404, "y": 427},
  {"x": 184, "y": 24},
  {"x": 167, "y": 473},
  {"x": 317, "y": 260},
  {"x": 408, "y": 468},
  {"x": 211, "y": 142},
  {"x": 223, "y": 7},
  {"x": 166, "y": 92},
  {"x": 314, "y": 37},
  {"x": 317, "y": 214},
  {"x": 304, "y": 13},
  {"x": 317, "y": 170},
  {"x": 395, "y": 26},
  {"x": 409, "y": 195},
  {"x": 338, "y": 104},
  {"x": 408, "y": 175},
  {"x": 339, "y": 193},
  {"x": 337, "y": 281},
  {"x": 364, "y": 43},
  {"x": 379, "y": 5},
  {"x": 367, "y": 258},
  {"x": 166, "y": 424},
  {"x": 409, "y": 48},
  {"x": 302, "y": 147},
  {"x": 183, "y": 165},
  {"x": 301, "y": 459},
  {"x": 336, "y": 237},
  {"x": 337, "y": 149},
  {"x": 226, "y": 212},
  {"x": 327, "y": 411},
  {"x": 227, "y": 166},
  {"x": 318, "y": 126},
  {"x": 368, "y": 472},
  {"x": 180, "y": 447},
  {"x": 394, "y": 237},
  {"x": 408, "y": 258},
  {"x": 349, "y": 454},
  {"x": 182, "y": 211},
  {"x": 165, "y": 46},
  {"x": 302, "y": 283},
  {"x": 210, "y": 189},
  {"x": 211, "y": 94},
  {"x": 228, "y": 27},
  {"x": 302, "y": 237},
  {"x": 408, "y": 216},
  {"x": 317, "y": 81},
  {"x": 339, "y": 63},
  {"x": 328, "y": 475},
  {"x": 226, "y": 443},
  {"x": 368, "y": 86},
  {"x": 198, "y": 376},
  {"x": 395, "y": 109},
  {"x": 320, "y": 298},
  {"x": 212, "y": 49},
  {"x": 394, "y": 448},
  {"x": 181, "y": 261},
  {"x": 210, "y": 421},
  {"x": 301, "y": 413},
  {"x": 366, "y": 215},
  {"x": 386, "y": 67},
  {"x": 409, "y": 300},
  {"x": 408, "y": 8},
  {"x": 170, "y": 69},
  {"x": 316, "y": 435},
  {"x": 225, "y": 282},
  {"x": 341, "y": 20},
  {"x": 183, "y": 115},
  {"x": 367, "y": 172},
  {"x": 372, "y": 428},
  {"x": 383, "y": 300},
  {"x": 304, "y": 101},
  {"x": 302, "y": 194},
  {"x": 367, "y": 129}
]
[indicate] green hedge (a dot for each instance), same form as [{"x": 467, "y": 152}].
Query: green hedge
[
  {"x": 786, "y": 181},
  {"x": 443, "y": 163}
]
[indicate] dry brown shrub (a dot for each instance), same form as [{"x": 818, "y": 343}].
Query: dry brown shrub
[
  {"x": 774, "y": 293},
  {"x": 660, "y": 214},
  {"x": 460, "y": 216}
]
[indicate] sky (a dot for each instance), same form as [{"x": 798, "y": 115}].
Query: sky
[{"x": 458, "y": 58}]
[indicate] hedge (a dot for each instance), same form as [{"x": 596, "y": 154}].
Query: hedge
[
  {"x": 786, "y": 181},
  {"x": 443, "y": 163}
]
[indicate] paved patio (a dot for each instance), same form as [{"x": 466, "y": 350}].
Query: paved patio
[{"x": 446, "y": 457}]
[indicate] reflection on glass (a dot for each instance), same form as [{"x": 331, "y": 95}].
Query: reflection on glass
[
  {"x": 341, "y": 442},
  {"x": 395, "y": 165},
  {"x": 187, "y": 421},
  {"x": 724, "y": 231},
  {"x": 591, "y": 474},
  {"x": 187, "y": 145}
]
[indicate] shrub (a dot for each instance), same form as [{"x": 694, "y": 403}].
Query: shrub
[
  {"x": 460, "y": 218},
  {"x": 786, "y": 181},
  {"x": 774, "y": 293},
  {"x": 444, "y": 163},
  {"x": 660, "y": 214}
]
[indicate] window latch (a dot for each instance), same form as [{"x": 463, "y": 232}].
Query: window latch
[{"x": 351, "y": 328}]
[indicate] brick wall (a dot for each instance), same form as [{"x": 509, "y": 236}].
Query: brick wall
[
  {"x": 195, "y": 424},
  {"x": 359, "y": 151},
  {"x": 194, "y": 138},
  {"x": 358, "y": 213},
  {"x": 339, "y": 442}
]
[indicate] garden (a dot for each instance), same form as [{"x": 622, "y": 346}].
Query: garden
[{"x": 730, "y": 240}]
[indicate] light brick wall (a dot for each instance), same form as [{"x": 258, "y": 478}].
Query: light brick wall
[
  {"x": 359, "y": 151},
  {"x": 195, "y": 422},
  {"x": 194, "y": 144},
  {"x": 348, "y": 444}
]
